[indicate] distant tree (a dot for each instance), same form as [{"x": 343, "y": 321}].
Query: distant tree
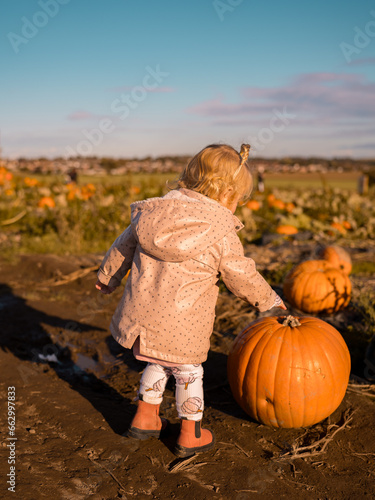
[{"x": 108, "y": 164}]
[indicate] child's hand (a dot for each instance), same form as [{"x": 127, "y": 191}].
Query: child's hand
[
  {"x": 279, "y": 303},
  {"x": 104, "y": 288}
]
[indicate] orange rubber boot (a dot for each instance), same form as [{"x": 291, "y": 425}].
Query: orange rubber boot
[
  {"x": 193, "y": 439},
  {"x": 146, "y": 422}
]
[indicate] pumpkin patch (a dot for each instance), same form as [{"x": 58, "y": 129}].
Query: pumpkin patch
[{"x": 292, "y": 377}]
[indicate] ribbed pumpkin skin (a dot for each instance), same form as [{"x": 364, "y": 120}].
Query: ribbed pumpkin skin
[
  {"x": 286, "y": 376},
  {"x": 315, "y": 286},
  {"x": 338, "y": 257}
]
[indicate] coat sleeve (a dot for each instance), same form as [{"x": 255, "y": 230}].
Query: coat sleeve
[
  {"x": 241, "y": 277},
  {"x": 118, "y": 260}
]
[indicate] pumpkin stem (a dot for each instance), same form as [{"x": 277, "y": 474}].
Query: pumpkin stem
[{"x": 291, "y": 321}]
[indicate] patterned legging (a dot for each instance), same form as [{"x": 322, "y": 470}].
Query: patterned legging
[{"x": 189, "y": 388}]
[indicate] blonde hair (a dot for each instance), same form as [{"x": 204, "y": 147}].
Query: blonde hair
[{"x": 217, "y": 168}]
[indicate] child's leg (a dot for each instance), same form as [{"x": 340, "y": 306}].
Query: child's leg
[
  {"x": 146, "y": 422},
  {"x": 190, "y": 405},
  {"x": 153, "y": 382},
  {"x": 189, "y": 391}
]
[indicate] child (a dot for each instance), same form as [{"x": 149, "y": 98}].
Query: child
[{"x": 176, "y": 247}]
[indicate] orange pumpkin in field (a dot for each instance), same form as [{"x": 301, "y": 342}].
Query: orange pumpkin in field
[
  {"x": 289, "y": 372},
  {"x": 73, "y": 191},
  {"x": 30, "y": 181},
  {"x": 277, "y": 204},
  {"x": 87, "y": 191},
  {"x": 46, "y": 202},
  {"x": 5, "y": 176},
  {"x": 338, "y": 227},
  {"x": 286, "y": 229},
  {"x": 253, "y": 205},
  {"x": 338, "y": 257},
  {"x": 289, "y": 207},
  {"x": 316, "y": 286},
  {"x": 135, "y": 190}
]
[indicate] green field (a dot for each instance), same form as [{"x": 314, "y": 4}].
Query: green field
[{"x": 345, "y": 180}]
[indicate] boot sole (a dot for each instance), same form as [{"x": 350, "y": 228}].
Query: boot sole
[
  {"x": 183, "y": 452},
  {"x": 143, "y": 434}
]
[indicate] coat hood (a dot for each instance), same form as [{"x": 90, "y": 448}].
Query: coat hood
[{"x": 180, "y": 225}]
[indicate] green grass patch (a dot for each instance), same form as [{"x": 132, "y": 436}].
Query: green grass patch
[
  {"x": 134, "y": 179},
  {"x": 345, "y": 180},
  {"x": 366, "y": 268}
]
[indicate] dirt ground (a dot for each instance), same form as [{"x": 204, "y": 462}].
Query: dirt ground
[{"x": 75, "y": 389}]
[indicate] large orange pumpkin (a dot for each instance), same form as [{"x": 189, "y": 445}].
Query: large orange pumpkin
[
  {"x": 337, "y": 256},
  {"x": 316, "y": 286},
  {"x": 289, "y": 372}
]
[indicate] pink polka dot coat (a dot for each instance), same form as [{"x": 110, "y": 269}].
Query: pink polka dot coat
[{"x": 176, "y": 248}]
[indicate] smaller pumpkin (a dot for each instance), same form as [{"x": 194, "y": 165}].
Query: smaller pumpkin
[
  {"x": 289, "y": 207},
  {"x": 87, "y": 191},
  {"x": 5, "y": 176},
  {"x": 286, "y": 229},
  {"x": 338, "y": 227},
  {"x": 46, "y": 202},
  {"x": 337, "y": 256},
  {"x": 316, "y": 286},
  {"x": 253, "y": 205},
  {"x": 31, "y": 181},
  {"x": 73, "y": 192},
  {"x": 277, "y": 204},
  {"x": 135, "y": 190}
]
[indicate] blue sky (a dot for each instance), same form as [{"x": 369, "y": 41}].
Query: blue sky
[{"x": 136, "y": 78}]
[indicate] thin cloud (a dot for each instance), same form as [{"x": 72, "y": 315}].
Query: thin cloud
[
  {"x": 368, "y": 145},
  {"x": 313, "y": 97},
  {"x": 369, "y": 61}
]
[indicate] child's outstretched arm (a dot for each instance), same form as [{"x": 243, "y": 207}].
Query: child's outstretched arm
[
  {"x": 117, "y": 262},
  {"x": 279, "y": 303},
  {"x": 241, "y": 277}
]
